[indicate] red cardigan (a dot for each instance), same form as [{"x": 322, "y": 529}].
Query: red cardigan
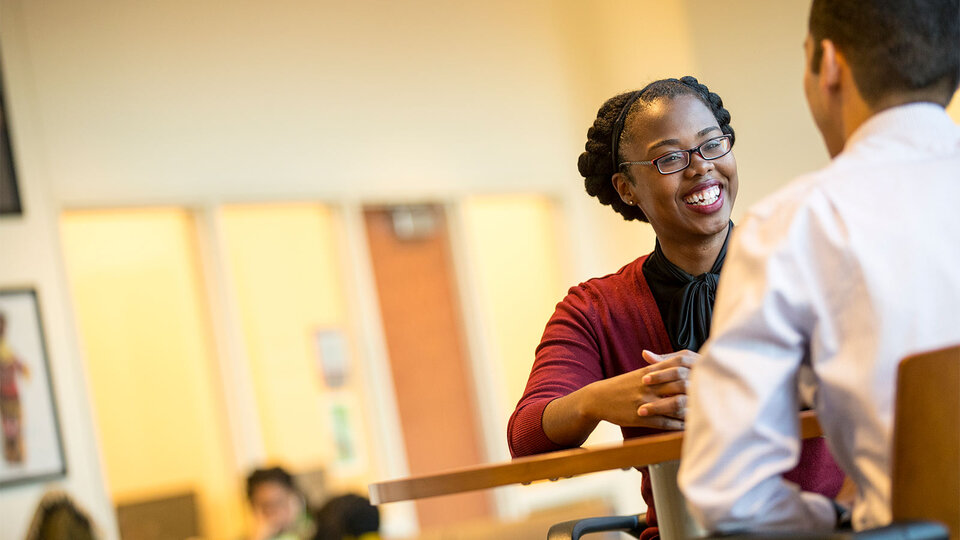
[{"x": 598, "y": 331}]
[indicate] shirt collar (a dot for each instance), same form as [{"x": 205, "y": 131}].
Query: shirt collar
[{"x": 913, "y": 125}]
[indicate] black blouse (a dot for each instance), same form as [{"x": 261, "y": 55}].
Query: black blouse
[{"x": 685, "y": 301}]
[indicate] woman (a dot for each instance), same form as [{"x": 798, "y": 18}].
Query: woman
[{"x": 620, "y": 348}]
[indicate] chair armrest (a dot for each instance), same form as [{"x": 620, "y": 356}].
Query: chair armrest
[
  {"x": 905, "y": 530},
  {"x": 574, "y": 529}
]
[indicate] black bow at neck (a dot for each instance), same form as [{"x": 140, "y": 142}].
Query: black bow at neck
[{"x": 685, "y": 301}]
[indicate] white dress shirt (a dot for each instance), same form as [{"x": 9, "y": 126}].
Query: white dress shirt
[{"x": 845, "y": 271}]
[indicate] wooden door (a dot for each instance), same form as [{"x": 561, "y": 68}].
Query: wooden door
[{"x": 425, "y": 342}]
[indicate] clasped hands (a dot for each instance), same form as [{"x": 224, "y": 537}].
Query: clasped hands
[{"x": 653, "y": 396}]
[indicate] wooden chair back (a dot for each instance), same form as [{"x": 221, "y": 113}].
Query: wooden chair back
[{"x": 926, "y": 441}]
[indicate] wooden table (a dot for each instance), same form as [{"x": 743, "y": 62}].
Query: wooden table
[{"x": 638, "y": 452}]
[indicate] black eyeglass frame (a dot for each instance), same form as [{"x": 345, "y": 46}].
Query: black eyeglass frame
[{"x": 689, "y": 154}]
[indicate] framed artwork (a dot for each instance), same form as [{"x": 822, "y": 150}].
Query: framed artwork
[
  {"x": 9, "y": 192},
  {"x": 32, "y": 448},
  {"x": 333, "y": 360}
]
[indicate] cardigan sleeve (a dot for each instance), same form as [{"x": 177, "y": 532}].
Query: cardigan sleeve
[{"x": 567, "y": 359}]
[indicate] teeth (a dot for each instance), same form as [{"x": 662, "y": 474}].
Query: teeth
[{"x": 705, "y": 197}]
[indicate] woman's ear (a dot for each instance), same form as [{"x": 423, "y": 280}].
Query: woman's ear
[{"x": 622, "y": 183}]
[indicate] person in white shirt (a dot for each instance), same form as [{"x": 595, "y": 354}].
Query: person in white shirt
[{"x": 839, "y": 276}]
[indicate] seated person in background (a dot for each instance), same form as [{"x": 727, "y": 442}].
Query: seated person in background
[
  {"x": 620, "y": 348},
  {"x": 348, "y": 517},
  {"x": 58, "y": 518},
  {"x": 846, "y": 271},
  {"x": 279, "y": 509}
]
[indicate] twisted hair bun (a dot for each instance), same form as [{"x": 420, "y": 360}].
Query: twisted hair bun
[{"x": 596, "y": 162}]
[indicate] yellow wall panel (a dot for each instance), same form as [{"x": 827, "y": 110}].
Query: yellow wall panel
[
  {"x": 285, "y": 271},
  {"x": 144, "y": 325},
  {"x": 512, "y": 241}
]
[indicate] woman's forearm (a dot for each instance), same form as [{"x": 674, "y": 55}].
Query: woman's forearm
[
  {"x": 568, "y": 420},
  {"x": 652, "y": 396}
]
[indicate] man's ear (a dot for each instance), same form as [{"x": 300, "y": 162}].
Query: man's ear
[{"x": 830, "y": 62}]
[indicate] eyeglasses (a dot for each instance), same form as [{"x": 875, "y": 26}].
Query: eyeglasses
[{"x": 679, "y": 160}]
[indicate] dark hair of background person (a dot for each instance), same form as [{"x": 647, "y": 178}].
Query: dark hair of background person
[
  {"x": 596, "y": 163},
  {"x": 274, "y": 474},
  {"x": 346, "y": 515},
  {"x": 894, "y": 47},
  {"x": 58, "y": 518}
]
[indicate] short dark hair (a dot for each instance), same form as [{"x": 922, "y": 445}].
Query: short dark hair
[
  {"x": 596, "y": 164},
  {"x": 277, "y": 475},
  {"x": 346, "y": 516},
  {"x": 892, "y": 46},
  {"x": 58, "y": 516}
]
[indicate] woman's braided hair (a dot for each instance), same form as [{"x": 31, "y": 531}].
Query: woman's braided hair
[{"x": 596, "y": 164}]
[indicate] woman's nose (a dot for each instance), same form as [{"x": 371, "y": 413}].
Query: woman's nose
[{"x": 698, "y": 165}]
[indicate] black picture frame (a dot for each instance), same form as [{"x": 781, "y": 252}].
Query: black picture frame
[
  {"x": 10, "y": 204},
  {"x": 26, "y": 394}
]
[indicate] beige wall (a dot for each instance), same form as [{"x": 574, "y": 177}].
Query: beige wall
[
  {"x": 611, "y": 47},
  {"x": 30, "y": 248},
  {"x": 179, "y": 100},
  {"x": 751, "y": 53}
]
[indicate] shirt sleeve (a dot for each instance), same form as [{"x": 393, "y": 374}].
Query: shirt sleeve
[
  {"x": 567, "y": 359},
  {"x": 742, "y": 430}
]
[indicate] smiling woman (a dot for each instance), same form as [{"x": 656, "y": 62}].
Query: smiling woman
[
  {"x": 671, "y": 190},
  {"x": 620, "y": 348}
]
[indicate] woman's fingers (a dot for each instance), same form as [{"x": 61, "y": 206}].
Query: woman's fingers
[
  {"x": 667, "y": 375},
  {"x": 664, "y": 422},
  {"x": 652, "y": 357},
  {"x": 685, "y": 357},
  {"x": 672, "y": 407},
  {"x": 671, "y": 388}
]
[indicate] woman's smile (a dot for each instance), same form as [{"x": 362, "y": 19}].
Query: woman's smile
[{"x": 706, "y": 198}]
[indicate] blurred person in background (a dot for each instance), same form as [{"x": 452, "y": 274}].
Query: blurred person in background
[
  {"x": 280, "y": 510},
  {"x": 348, "y": 517},
  {"x": 59, "y": 518},
  {"x": 620, "y": 348}
]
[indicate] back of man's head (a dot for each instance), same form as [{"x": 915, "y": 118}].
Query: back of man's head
[{"x": 898, "y": 50}]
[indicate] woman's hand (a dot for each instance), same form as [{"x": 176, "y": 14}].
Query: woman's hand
[{"x": 652, "y": 396}]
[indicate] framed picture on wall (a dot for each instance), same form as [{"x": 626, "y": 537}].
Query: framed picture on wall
[
  {"x": 9, "y": 192},
  {"x": 333, "y": 360},
  {"x": 31, "y": 448}
]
